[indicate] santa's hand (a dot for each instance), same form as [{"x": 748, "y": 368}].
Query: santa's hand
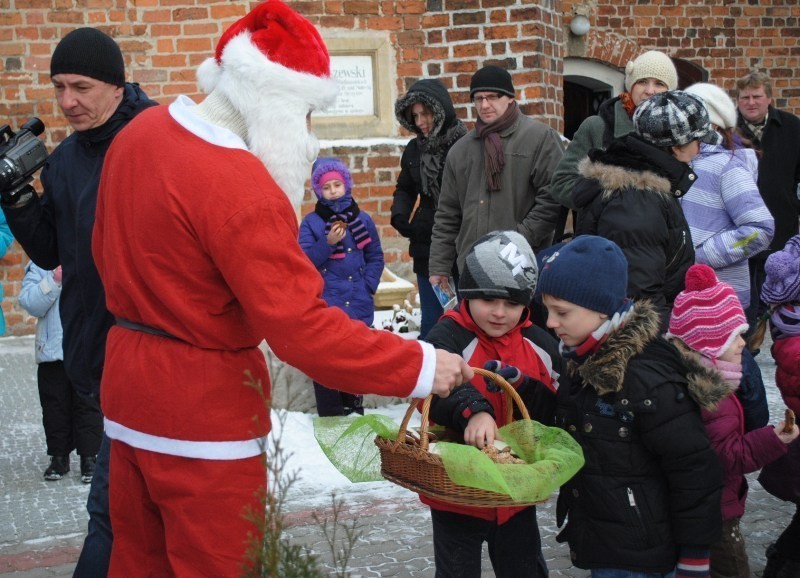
[{"x": 451, "y": 371}]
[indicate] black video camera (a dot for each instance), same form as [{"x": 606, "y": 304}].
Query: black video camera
[{"x": 21, "y": 155}]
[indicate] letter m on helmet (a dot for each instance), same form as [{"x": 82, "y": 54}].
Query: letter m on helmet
[{"x": 511, "y": 255}]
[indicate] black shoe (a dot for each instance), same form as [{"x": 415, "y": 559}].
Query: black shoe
[
  {"x": 58, "y": 468},
  {"x": 87, "y": 468}
]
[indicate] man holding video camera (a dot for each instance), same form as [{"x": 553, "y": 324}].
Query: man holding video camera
[{"x": 88, "y": 73}]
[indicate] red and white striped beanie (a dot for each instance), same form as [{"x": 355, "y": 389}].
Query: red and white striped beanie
[{"x": 707, "y": 315}]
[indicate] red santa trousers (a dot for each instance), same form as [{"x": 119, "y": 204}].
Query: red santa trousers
[{"x": 189, "y": 515}]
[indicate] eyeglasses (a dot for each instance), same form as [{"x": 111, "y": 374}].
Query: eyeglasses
[{"x": 489, "y": 98}]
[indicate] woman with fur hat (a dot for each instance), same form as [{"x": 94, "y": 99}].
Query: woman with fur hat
[
  {"x": 343, "y": 244},
  {"x": 706, "y": 325},
  {"x": 629, "y": 194},
  {"x": 646, "y": 503},
  {"x": 491, "y": 327},
  {"x": 781, "y": 291},
  {"x": 652, "y": 72},
  {"x": 427, "y": 111}
]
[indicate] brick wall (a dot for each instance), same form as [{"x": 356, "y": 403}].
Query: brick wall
[{"x": 165, "y": 40}]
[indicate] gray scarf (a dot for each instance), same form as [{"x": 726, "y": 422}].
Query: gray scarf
[{"x": 433, "y": 150}]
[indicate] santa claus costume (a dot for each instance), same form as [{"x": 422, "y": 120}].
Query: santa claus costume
[{"x": 194, "y": 241}]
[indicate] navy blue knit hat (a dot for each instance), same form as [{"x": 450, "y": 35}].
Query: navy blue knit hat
[
  {"x": 89, "y": 52},
  {"x": 588, "y": 271}
]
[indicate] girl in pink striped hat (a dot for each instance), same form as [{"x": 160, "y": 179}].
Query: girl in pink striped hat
[{"x": 706, "y": 325}]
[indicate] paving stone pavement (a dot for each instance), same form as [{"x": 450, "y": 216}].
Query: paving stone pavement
[{"x": 42, "y": 524}]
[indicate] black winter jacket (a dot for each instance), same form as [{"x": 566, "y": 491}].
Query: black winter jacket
[
  {"x": 465, "y": 400},
  {"x": 412, "y": 219},
  {"x": 651, "y": 482},
  {"x": 779, "y": 173},
  {"x": 628, "y": 194},
  {"x": 57, "y": 230}
]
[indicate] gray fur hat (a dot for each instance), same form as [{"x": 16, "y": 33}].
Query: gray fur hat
[{"x": 500, "y": 265}]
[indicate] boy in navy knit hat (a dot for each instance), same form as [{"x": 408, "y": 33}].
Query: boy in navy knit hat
[
  {"x": 491, "y": 327},
  {"x": 343, "y": 244},
  {"x": 648, "y": 499}
]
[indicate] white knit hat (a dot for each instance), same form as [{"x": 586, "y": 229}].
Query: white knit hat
[
  {"x": 651, "y": 64},
  {"x": 721, "y": 108}
]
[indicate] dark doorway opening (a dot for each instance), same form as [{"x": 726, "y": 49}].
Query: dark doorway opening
[{"x": 582, "y": 98}]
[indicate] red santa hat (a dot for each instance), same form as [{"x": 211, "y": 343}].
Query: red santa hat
[{"x": 272, "y": 51}]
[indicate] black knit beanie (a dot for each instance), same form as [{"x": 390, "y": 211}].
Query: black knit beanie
[
  {"x": 492, "y": 79},
  {"x": 89, "y": 52}
]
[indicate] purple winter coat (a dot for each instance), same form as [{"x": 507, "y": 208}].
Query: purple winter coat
[{"x": 351, "y": 282}]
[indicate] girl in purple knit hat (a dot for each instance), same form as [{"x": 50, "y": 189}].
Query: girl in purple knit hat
[
  {"x": 706, "y": 325},
  {"x": 781, "y": 291},
  {"x": 342, "y": 242}
]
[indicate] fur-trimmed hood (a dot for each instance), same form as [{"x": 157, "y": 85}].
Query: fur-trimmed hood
[
  {"x": 631, "y": 163},
  {"x": 706, "y": 386},
  {"x": 605, "y": 369},
  {"x": 432, "y": 94}
]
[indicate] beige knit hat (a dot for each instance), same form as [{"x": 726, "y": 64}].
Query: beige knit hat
[
  {"x": 720, "y": 106},
  {"x": 651, "y": 64}
]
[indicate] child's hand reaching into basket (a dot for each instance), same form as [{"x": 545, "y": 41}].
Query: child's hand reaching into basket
[{"x": 481, "y": 430}]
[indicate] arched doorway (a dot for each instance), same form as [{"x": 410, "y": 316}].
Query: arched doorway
[{"x": 586, "y": 85}]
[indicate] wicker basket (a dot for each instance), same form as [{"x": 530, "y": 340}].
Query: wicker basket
[{"x": 407, "y": 462}]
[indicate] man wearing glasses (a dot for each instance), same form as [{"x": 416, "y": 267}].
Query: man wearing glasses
[
  {"x": 495, "y": 178},
  {"x": 776, "y": 133}
]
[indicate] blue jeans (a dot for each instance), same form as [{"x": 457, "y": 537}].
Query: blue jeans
[
  {"x": 430, "y": 308},
  {"x": 96, "y": 553},
  {"x": 616, "y": 573}
]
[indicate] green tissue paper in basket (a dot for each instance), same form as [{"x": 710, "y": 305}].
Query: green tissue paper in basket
[
  {"x": 552, "y": 456},
  {"x": 348, "y": 442}
]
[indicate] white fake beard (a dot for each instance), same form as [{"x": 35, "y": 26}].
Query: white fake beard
[{"x": 288, "y": 155}]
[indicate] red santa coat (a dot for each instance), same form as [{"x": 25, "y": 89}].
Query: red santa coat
[{"x": 194, "y": 238}]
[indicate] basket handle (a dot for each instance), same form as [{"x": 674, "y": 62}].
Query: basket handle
[{"x": 507, "y": 388}]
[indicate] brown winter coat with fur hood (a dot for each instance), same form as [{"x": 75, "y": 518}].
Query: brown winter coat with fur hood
[
  {"x": 651, "y": 482},
  {"x": 739, "y": 453}
]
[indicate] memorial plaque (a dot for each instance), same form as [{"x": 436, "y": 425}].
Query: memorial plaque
[
  {"x": 356, "y": 97},
  {"x": 364, "y": 107}
]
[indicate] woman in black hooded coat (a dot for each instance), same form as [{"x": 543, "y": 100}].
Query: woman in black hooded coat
[{"x": 427, "y": 111}]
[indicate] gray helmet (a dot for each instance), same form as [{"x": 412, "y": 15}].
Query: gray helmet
[{"x": 500, "y": 265}]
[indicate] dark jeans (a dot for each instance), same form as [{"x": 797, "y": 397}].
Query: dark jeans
[
  {"x": 752, "y": 394},
  {"x": 515, "y": 547},
  {"x": 787, "y": 545},
  {"x": 70, "y": 421},
  {"x": 96, "y": 553},
  {"x": 757, "y": 307},
  {"x": 430, "y": 308},
  {"x": 332, "y": 402}
]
